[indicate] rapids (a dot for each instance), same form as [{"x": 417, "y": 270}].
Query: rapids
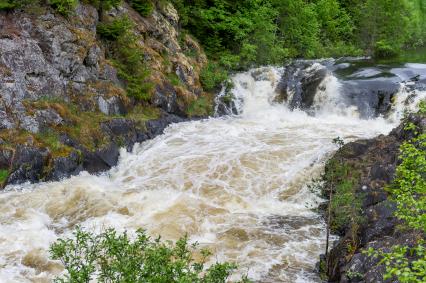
[{"x": 237, "y": 184}]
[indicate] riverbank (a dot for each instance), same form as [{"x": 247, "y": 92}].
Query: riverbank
[
  {"x": 71, "y": 96},
  {"x": 362, "y": 211}
]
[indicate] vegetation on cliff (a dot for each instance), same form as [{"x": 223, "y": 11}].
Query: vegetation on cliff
[
  {"x": 407, "y": 263},
  {"x": 114, "y": 257},
  {"x": 378, "y": 206}
]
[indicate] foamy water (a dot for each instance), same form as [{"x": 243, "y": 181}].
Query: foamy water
[{"x": 235, "y": 184}]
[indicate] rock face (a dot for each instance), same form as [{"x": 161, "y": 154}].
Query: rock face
[
  {"x": 58, "y": 90},
  {"x": 300, "y": 82},
  {"x": 375, "y": 162},
  {"x": 369, "y": 90}
]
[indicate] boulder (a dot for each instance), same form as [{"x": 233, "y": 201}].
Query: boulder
[{"x": 28, "y": 165}]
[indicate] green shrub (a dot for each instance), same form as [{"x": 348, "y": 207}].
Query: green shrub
[
  {"x": 407, "y": 265},
  {"x": 143, "y": 7},
  {"x": 345, "y": 204},
  {"x": 115, "y": 29},
  {"x": 64, "y": 7},
  {"x": 4, "y": 174},
  {"x": 409, "y": 187},
  {"x": 200, "y": 107},
  {"x": 383, "y": 49},
  {"x": 104, "y": 5},
  {"x": 12, "y": 4},
  {"x": 212, "y": 75},
  {"x": 114, "y": 257},
  {"x": 127, "y": 56},
  {"x": 8, "y": 4}
]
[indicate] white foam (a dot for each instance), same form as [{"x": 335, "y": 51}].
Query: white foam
[{"x": 220, "y": 180}]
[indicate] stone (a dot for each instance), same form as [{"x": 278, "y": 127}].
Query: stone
[
  {"x": 111, "y": 106},
  {"x": 65, "y": 167},
  {"x": 300, "y": 82},
  {"x": 28, "y": 165}
]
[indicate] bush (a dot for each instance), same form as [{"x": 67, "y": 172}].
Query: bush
[
  {"x": 409, "y": 187},
  {"x": 345, "y": 204},
  {"x": 212, "y": 75},
  {"x": 8, "y": 4},
  {"x": 114, "y": 257},
  {"x": 127, "y": 56},
  {"x": 104, "y": 5},
  {"x": 13, "y": 4},
  {"x": 383, "y": 49},
  {"x": 64, "y": 7},
  {"x": 113, "y": 30},
  {"x": 200, "y": 107},
  {"x": 143, "y": 7}
]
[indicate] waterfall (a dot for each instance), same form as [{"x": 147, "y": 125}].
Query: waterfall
[{"x": 237, "y": 184}]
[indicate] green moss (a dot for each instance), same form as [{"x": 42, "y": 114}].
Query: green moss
[
  {"x": 4, "y": 174},
  {"x": 142, "y": 113},
  {"x": 346, "y": 203},
  {"x": 8, "y": 5},
  {"x": 174, "y": 79},
  {"x": 200, "y": 107}
]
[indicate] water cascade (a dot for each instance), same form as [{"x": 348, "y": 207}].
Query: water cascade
[{"x": 237, "y": 184}]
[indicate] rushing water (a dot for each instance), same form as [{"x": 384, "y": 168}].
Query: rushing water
[{"x": 236, "y": 184}]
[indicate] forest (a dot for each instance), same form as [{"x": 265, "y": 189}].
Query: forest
[{"x": 247, "y": 32}]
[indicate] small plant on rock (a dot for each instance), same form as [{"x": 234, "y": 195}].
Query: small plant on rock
[
  {"x": 64, "y": 7},
  {"x": 143, "y": 7}
]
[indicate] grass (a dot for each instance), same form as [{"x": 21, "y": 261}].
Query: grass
[
  {"x": 143, "y": 113},
  {"x": 200, "y": 107},
  {"x": 174, "y": 79},
  {"x": 346, "y": 203}
]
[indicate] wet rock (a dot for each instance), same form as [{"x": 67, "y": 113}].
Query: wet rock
[
  {"x": 65, "y": 167},
  {"x": 372, "y": 96},
  {"x": 165, "y": 97},
  {"x": 299, "y": 83},
  {"x": 28, "y": 165},
  {"x": 156, "y": 127},
  {"x": 123, "y": 132},
  {"x": 6, "y": 157},
  {"x": 381, "y": 221}
]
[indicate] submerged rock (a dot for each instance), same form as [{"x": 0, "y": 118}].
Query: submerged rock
[{"x": 299, "y": 83}]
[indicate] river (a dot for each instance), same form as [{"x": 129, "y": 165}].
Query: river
[{"x": 237, "y": 184}]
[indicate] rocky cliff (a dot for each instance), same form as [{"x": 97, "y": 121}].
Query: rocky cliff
[
  {"x": 64, "y": 107},
  {"x": 364, "y": 214}
]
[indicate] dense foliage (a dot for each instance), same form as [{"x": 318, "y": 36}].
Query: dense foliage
[
  {"x": 240, "y": 33},
  {"x": 114, "y": 257}
]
